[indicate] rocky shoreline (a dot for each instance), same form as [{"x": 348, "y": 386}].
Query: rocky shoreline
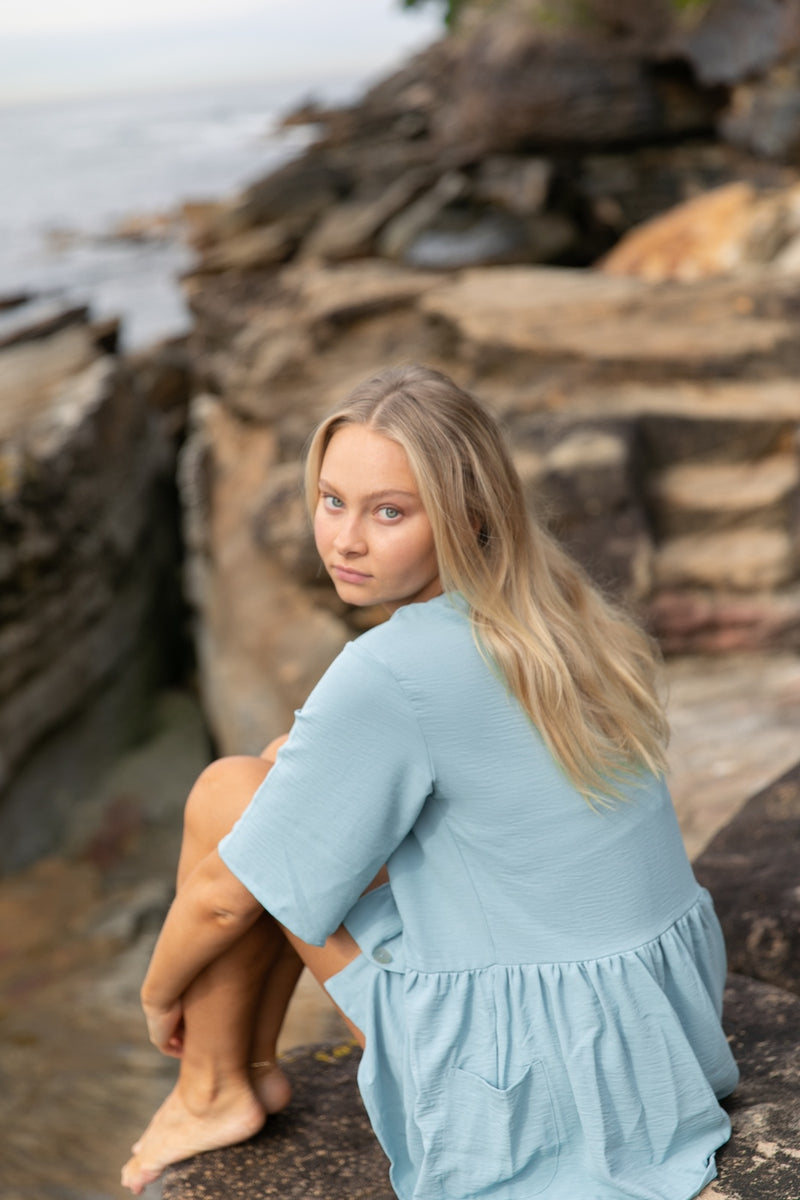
[{"x": 644, "y": 361}]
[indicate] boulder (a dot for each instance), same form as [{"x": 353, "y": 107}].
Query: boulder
[
  {"x": 763, "y": 115},
  {"x": 750, "y": 868},
  {"x": 724, "y": 231},
  {"x": 261, "y": 642},
  {"x": 760, "y": 1160},
  {"x": 518, "y": 84},
  {"x": 734, "y": 40}
]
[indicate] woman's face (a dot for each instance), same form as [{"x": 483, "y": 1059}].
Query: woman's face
[{"x": 371, "y": 530}]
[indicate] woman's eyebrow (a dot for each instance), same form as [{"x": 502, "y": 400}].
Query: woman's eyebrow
[{"x": 371, "y": 496}]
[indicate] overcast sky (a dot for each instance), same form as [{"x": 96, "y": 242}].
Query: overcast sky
[{"x": 53, "y": 48}]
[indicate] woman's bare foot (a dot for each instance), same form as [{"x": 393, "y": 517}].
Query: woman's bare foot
[
  {"x": 270, "y": 1085},
  {"x": 178, "y": 1131}
]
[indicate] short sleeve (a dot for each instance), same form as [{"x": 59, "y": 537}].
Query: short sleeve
[{"x": 345, "y": 791}]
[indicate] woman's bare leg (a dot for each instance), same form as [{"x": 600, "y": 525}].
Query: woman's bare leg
[
  {"x": 234, "y": 1010},
  {"x": 214, "y": 1102}
]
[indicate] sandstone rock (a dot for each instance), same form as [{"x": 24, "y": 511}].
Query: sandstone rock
[
  {"x": 85, "y": 550},
  {"x": 734, "y": 39},
  {"x": 787, "y": 261},
  {"x": 261, "y": 642},
  {"x": 35, "y": 320},
  {"x": 298, "y": 192},
  {"x": 517, "y": 183},
  {"x": 693, "y": 621},
  {"x": 750, "y": 868},
  {"x": 582, "y": 315},
  {"x": 349, "y": 229},
  {"x": 726, "y": 418},
  {"x": 744, "y": 560},
  {"x": 263, "y": 366},
  {"x": 248, "y": 250},
  {"x": 201, "y": 219},
  {"x": 162, "y": 375},
  {"x": 720, "y": 232},
  {"x": 579, "y": 479},
  {"x": 32, "y": 372},
  {"x": 718, "y": 433},
  {"x": 400, "y": 234},
  {"x": 282, "y": 527},
  {"x": 763, "y": 116},
  {"x": 515, "y": 86},
  {"x": 344, "y": 296},
  {"x": 619, "y": 190},
  {"x": 690, "y": 497}
]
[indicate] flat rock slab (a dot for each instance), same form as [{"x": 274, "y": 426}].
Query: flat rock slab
[
  {"x": 751, "y": 870},
  {"x": 762, "y": 1159},
  {"x": 322, "y": 1145}
]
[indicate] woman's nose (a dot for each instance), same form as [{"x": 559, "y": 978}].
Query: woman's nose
[{"x": 350, "y": 537}]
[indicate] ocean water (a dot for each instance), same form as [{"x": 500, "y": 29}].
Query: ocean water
[{"x": 72, "y": 172}]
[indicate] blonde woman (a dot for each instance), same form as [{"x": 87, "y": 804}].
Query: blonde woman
[{"x": 468, "y": 840}]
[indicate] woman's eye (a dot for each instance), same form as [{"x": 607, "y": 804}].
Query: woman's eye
[
  {"x": 390, "y": 512},
  {"x": 332, "y": 502}
]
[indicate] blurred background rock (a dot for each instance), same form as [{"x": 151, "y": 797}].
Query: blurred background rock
[{"x": 588, "y": 213}]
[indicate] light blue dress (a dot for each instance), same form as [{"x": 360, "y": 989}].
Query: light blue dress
[{"x": 540, "y": 984}]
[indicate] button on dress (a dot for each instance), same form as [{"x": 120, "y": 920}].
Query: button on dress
[{"x": 540, "y": 982}]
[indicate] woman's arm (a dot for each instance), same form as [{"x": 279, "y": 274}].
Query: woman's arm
[{"x": 210, "y": 912}]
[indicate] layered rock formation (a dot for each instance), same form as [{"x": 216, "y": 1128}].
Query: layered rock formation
[
  {"x": 450, "y": 217},
  {"x": 657, "y": 428},
  {"x": 88, "y": 556}
]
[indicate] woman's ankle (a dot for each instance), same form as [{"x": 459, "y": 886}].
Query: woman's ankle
[
  {"x": 270, "y": 1084},
  {"x": 207, "y": 1088}
]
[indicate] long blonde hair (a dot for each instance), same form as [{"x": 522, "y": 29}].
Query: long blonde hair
[{"x": 581, "y": 669}]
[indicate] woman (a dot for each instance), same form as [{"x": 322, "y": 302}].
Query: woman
[{"x": 468, "y": 840}]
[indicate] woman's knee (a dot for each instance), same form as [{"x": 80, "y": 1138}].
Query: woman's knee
[{"x": 221, "y": 793}]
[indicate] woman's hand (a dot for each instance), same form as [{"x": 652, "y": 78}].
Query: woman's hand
[{"x": 165, "y": 1027}]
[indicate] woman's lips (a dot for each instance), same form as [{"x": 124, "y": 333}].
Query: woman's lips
[{"x": 348, "y": 575}]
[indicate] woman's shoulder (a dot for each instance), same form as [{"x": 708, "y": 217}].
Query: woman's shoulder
[{"x": 416, "y": 630}]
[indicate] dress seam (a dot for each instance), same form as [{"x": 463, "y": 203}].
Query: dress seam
[
  {"x": 563, "y": 962},
  {"x": 380, "y": 662}
]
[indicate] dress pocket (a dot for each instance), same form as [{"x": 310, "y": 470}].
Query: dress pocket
[{"x": 497, "y": 1136}]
